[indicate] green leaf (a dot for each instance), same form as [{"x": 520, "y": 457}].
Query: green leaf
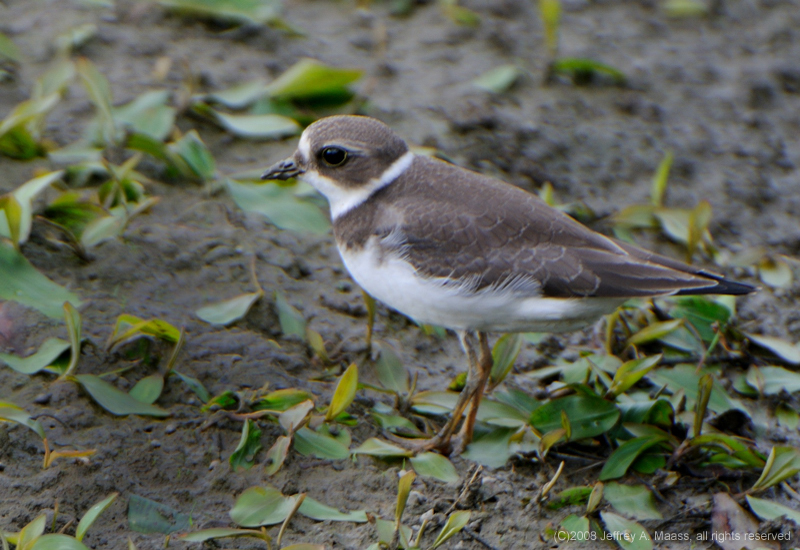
[
  {"x": 498, "y": 80},
  {"x": 149, "y": 516},
  {"x": 309, "y": 78},
  {"x": 702, "y": 313},
  {"x": 9, "y": 412},
  {"x": 291, "y": 419},
  {"x": 25, "y": 119},
  {"x": 386, "y": 530},
  {"x": 191, "y": 149},
  {"x": 785, "y": 350},
  {"x": 24, "y": 284},
  {"x": 627, "y": 533},
  {"x": 9, "y": 50},
  {"x": 588, "y": 416},
  {"x": 704, "y": 387},
  {"x": 658, "y": 413},
  {"x": 390, "y": 370},
  {"x": 396, "y": 424},
  {"x": 584, "y": 71},
  {"x": 344, "y": 394},
  {"x": 435, "y": 466},
  {"x": 504, "y": 355},
  {"x": 92, "y": 514},
  {"x": 575, "y": 524},
  {"x": 226, "y": 400},
  {"x": 280, "y": 205},
  {"x": 726, "y": 447},
  {"x": 455, "y": 523},
  {"x": 57, "y": 542},
  {"x": 686, "y": 378},
  {"x": 10, "y": 218},
  {"x": 276, "y": 455},
  {"x": 783, "y": 463},
  {"x": 115, "y": 401},
  {"x": 308, "y": 442},
  {"x": 378, "y": 447},
  {"x": 699, "y": 219},
  {"x": 630, "y": 372},
  {"x": 572, "y": 496},
  {"x": 129, "y": 327},
  {"x": 550, "y": 12},
  {"x": 314, "y": 509},
  {"x": 595, "y": 497},
  {"x": 636, "y": 216},
  {"x": 654, "y": 331},
  {"x": 31, "y": 532},
  {"x": 218, "y": 533},
  {"x": 773, "y": 380},
  {"x": 253, "y": 126},
  {"x": 229, "y": 311},
  {"x": 623, "y": 456},
  {"x": 148, "y": 389},
  {"x": 660, "y": 180},
  {"x": 281, "y": 400},
  {"x": 102, "y": 229},
  {"x": 49, "y": 351},
  {"x": 55, "y": 80},
  {"x": 403, "y": 490},
  {"x": 239, "y": 96},
  {"x": 317, "y": 345},
  {"x": 787, "y": 416},
  {"x": 73, "y": 321},
  {"x": 249, "y": 444},
  {"x": 74, "y": 38},
  {"x": 195, "y": 385},
  {"x": 148, "y": 114},
  {"x": 770, "y": 511},
  {"x": 99, "y": 92},
  {"x": 257, "y": 12},
  {"x": 674, "y": 223},
  {"x": 25, "y": 194},
  {"x": 258, "y": 506},
  {"x": 684, "y": 8},
  {"x": 492, "y": 449},
  {"x": 292, "y": 321},
  {"x": 775, "y": 272},
  {"x": 459, "y": 14},
  {"x": 635, "y": 501}
]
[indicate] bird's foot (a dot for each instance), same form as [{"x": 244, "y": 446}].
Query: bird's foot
[{"x": 423, "y": 445}]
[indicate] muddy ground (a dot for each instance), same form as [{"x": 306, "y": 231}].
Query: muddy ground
[{"x": 722, "y": 91}]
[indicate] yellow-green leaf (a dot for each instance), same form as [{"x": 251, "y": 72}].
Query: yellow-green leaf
[
  {"x": 455, "y": 523},
  {"x": 344, "y": 394}
]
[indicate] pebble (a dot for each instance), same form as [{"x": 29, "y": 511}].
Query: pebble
[
  {"x": 155, "y": 443},
  {"x": 42, "y": 398},
  {"x": 170, "y": 429}
]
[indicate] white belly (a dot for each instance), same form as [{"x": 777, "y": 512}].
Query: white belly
[{"x": 394, "y": 282}]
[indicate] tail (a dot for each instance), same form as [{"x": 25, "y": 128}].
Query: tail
[{"x": 718, "y": 285}]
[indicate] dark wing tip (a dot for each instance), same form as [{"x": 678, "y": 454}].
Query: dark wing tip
[{"x": 722, "y": 286}]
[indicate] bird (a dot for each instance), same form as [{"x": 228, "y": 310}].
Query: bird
[{"x": 451, "y": 247}]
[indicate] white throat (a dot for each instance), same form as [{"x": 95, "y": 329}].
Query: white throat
[{"x": 343, "y": 199}]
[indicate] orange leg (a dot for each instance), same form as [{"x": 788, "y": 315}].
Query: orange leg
[{"x": 480, "y": 365}]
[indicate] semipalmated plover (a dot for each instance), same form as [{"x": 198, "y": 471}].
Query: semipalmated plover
[{"x": 451, "y": 247}]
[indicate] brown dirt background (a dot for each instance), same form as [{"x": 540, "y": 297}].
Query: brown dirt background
[{"x": 722, "y": 92}]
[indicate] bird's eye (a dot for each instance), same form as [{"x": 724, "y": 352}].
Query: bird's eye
[{"x": 334, "y": 156}]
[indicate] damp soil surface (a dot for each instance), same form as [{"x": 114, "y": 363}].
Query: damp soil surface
[{"x": 721, "y": 91}]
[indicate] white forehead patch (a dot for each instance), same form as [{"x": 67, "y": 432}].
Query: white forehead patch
[
  {"x": 304, "y": 147},
  {"x": 343, "y": 199}
]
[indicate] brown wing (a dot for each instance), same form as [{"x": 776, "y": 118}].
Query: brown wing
[{"x": 485, "y": 233}]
